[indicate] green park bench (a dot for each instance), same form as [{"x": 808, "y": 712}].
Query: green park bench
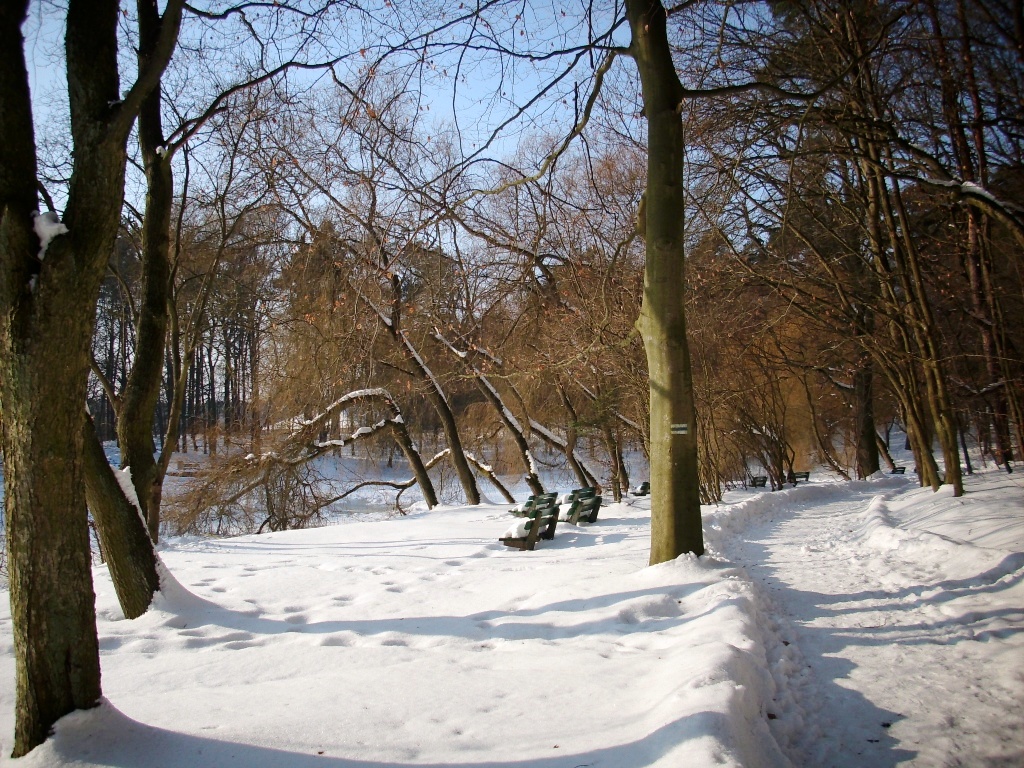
[
  {"x": 584, "y": 509},
  {"x": 541, "y": 522},
  {"x": 524, "y": 509}
]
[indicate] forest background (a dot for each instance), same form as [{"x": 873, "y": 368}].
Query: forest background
[
  {"x": 852, "y": 181},
  {"x": 422, "y": 231}
]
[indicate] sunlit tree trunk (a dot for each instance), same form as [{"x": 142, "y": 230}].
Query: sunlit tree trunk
[{"x": 675, "y": 500}]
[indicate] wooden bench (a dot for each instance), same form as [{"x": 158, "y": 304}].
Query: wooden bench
[
  {"x": 186, "y": 468},
  {"x": 644, "y": 489},
  {"x": 580, "y": 493},
  {"x": 898, "y": 471},
  {"x": 758, "y": 481},
  {"x": 524, "y": 509},
  {"x": 540, "y": 524},
  {"x": 795, "y": 476},
  {"x": 584, "y": 510},
  {"x": 571, "y": 501}
]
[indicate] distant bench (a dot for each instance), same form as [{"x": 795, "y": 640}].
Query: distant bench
[
  {"x": 644, "y": 489},
  {"x": 758, "y": 481},
  {"x": 186, "y": 468},
  {"x": 795, "y": 476},
  {"x": 898, "y": 471}
]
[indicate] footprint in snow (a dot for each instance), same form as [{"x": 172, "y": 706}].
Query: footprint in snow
[
  {"x": 335, "y": 640},
  {"x": 238, "y": 645}
]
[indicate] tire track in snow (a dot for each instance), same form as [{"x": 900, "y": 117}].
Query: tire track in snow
[{"x": 880, "y": 657}]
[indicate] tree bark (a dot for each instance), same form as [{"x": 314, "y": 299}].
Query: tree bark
[
  {"x": 584, "y": 477},
  {"x": 47, "y": 307},
  {"x": 437, "y": 399},
  {"x": 44, "y": 338},
  {"x": 864, "y": 415},
  {"x": 675, "y": 499},
  {"x": 412, "y": 455},
  {"x": 142, "y": 391},
  {"x": 123, "y": 536}
]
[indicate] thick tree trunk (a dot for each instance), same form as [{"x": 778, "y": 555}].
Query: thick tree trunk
[
  {"x": 44, "y": 338},
  {"x": 48, "y": 295},
  {"x": 675, "y": 499},
  {"x": 52, "y": 602}
]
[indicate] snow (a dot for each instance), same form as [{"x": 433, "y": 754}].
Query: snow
[
  {"x": 348, "y": 397},
  {"x": 903, "y": 611},
  {"x": 124, "y": 479},
  {"x": 832, "y": 624},
  {"x": 517, "y": 530},
  {"x": 979, "y": 191},
  {"x": 47, "y": 226}
]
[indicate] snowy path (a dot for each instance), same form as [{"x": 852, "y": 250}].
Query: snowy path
[{"x": 895, "y": 647}]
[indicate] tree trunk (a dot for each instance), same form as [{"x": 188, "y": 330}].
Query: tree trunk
[
  {"x": 45, "y": 334},
  {"x": 401, "y": 436},
  {"x": 436, "y": 396},
  {"x": 675, "y": 499},
  {"x": 864, "y": 415},
  {"x": 140, "y": 397},
  {"x": 47, "y": 311},
  {"x": 883, "y": 451},
  {"x": 612, "y": 446},
  {"x": 122, "y": 533}
]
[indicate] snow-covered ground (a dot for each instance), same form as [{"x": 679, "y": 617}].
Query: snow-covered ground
[{"x": 833, "y": 624}]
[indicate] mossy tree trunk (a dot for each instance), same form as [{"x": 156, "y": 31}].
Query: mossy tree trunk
[{"x": 675, "y": 497}]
